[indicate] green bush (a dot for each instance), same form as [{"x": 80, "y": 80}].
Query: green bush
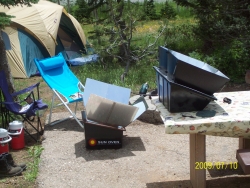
[
  {"x": 32, "y": 169},
  {"x": 181, "y": 38},
  {"x": 232, "y": 60},
  {"x": 168, "y": 11},
  {"x": 150, "y": 10}
]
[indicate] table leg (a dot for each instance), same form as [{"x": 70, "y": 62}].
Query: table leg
[
  {"x": 244, "y": 143},
  {"x": 197, "y": 154}
]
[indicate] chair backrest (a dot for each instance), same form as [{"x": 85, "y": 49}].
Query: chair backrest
[
  {"x": 4, "y": 87},
  {"x": 8, "y": 99},
  {"x": 57, "y": 75}
]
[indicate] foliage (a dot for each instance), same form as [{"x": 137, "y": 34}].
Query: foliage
[
  {"x": 231, "y": 60},
  {"x": 87, "y": 11},
  {"x": 32, "y": 170},
  {"x": 168, "y": 11},
  {"x": 5, "y": 19},
  {"x": 8, "y": 3},
  {"x": 139, "y": 73},
  {"x": 150, "y": 10},
  {"x": 114, "y": 38},
  {"x": 182, "y": 12},
  {"x": 223, "y": 26},
  {"x": 221, "y": 22},
  {"x": 82, "y": 11},
  {"x": 181, "y": 38}
]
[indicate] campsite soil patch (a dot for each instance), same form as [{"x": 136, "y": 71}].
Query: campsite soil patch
[{"x": 142, "y": 162}]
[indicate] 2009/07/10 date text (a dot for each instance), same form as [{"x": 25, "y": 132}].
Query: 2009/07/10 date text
[{"x": 216, "y": 165}]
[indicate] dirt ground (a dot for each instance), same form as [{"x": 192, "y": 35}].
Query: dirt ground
[{"x": 149, "y": 157}]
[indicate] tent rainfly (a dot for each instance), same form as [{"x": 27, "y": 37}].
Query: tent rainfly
[{"x": 40, "y": 31}]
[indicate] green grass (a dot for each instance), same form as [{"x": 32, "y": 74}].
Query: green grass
[
  {"x": 32, "y": 169},
  {"x": 28, "y": 177},
  {"x": 138, "y": 74}
]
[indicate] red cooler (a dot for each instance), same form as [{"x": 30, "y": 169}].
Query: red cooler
[
  {"x": 4, "y": 141},
  {"x": 17, "y": 133}
]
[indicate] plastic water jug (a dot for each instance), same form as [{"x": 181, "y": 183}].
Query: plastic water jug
[
  {"x": 4, "y": 141},
  {"x": 17, "y": 133}
]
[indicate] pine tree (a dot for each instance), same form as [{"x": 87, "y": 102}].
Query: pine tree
[
  {"x": 168, "y": 11},
  {"x": 83, "y": 10},
  {"x": 150, "y": 10}
]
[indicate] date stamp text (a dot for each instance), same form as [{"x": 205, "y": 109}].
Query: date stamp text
[{"x": 216, "y": 165}]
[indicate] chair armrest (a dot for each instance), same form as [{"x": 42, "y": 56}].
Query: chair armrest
[{"x": 30, "y": 88}]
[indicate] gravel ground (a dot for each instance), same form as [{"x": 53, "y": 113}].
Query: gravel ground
[{"x": 149, "y": 158}]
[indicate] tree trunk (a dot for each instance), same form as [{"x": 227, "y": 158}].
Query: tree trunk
[
  {"x": 124, "y": 47},
  {"x": 5, "y": 66},
  {"x": 68, "y": 6}
]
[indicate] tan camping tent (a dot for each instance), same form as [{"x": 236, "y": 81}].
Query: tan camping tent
[{"x": 44, "y": 21}]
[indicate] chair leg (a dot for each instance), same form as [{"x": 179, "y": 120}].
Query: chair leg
[
  {"x": 74, "y": 115},
  {"x": 65, "y": 105},
  {"x": 76, "y": 107},
  {"x": 50, "y": 114},
  {"x": 35, "y": 139},
  {"x": 52, "y": 106},
  {"x": 39, "y": 125},
  {"x": 2, "y": 117},
  {"x": 5, "y": 117}
]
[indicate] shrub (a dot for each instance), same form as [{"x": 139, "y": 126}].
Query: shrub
[
  {"x": 150, "y": 10},
  {"x": 181, "y": 38},
  {"x": 168, "y": 11}
]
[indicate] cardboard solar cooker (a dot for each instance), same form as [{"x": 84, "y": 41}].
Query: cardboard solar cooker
[
  {"x": 191, "y": 72},
  {"x": 107, "y": 113}
]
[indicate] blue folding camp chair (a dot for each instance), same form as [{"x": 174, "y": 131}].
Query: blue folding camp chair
[
  {"x": 64, "y": 84},
  {"x": 12, "y": 106}
]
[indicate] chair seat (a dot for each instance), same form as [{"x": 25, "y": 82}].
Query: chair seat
[{"x": 243, "y": 157}]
